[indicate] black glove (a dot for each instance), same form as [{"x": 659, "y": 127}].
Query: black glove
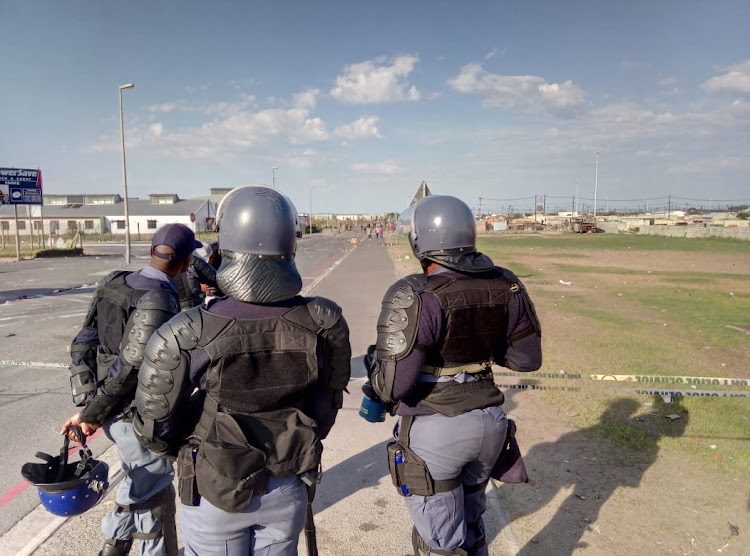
[
  {"x": 369, "y": 391},
  {"x": 371, "y": 361}
]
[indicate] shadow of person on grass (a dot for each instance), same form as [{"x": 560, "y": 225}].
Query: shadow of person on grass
[{"x": 593, "y": 463}]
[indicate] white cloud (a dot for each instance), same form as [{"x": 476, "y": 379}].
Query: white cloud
[
  {"x": 374, "y": 81},
  {"x": 312, "y": 130},
  {"x": 734, "y": 81},
  {"x": 360, "y": 129},
  {"x": 229, "y": 108},
  {"x": 165, "y": 107},
  {"x": 492, "y": 53},
  {"x": 306, "y": 99},
  {"x": 156, "y": 129},
  {"x": 387, "y": 168},
  {"x": 518, "y": 92}
]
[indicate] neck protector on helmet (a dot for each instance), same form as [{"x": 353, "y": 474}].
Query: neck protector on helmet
[
  {"x": 258, "y": 278},
  {"x": 461, "y": 260}
]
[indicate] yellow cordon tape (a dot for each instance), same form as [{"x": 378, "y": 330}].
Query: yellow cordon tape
[
  {"x": 696, "y": 393},
  {"x": 634, "y": 379},
  {"x": 696, "y": 380}
]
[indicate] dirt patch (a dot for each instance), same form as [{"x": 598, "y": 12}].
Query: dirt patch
[{"x": 591, "y": 498}]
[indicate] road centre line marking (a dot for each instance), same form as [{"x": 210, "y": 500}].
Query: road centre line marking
[{"x": 11, "y": 363}]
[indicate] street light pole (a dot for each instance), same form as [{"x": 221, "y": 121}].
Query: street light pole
[
  {"x": 273, "y": 176},
  {"x": 125, "y": 177},
  {"x": 596, "y": 181},
  {"x": 310, "y": 215}
]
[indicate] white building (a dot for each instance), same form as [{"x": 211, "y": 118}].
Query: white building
[{"x": 105, "y": 214}]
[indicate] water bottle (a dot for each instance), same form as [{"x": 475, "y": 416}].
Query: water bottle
[
  {"x": 372, "y": 410},
  {"x": 399, "y": 456}
]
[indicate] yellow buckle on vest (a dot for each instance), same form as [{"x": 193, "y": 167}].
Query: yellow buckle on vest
[{"x": 470, "y": 368}]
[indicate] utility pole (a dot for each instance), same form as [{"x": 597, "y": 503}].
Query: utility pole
[
  {"x": 669, "y": 208},
  {"x": 480, "y": 208},
  {"x": 534, "y": 210},
  {"x": 544, "y": 206},
  {"x": 575, "y": 200},
  {"x": 596, "y": 180}
]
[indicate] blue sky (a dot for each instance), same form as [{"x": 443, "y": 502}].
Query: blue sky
[{"x": 364, "y": 100}]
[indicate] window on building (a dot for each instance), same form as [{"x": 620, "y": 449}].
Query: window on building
[
  {"x": 120, "y": 224},
  {"x": 21, "y": 224},
  {"x": 76, "y": 199},
  {"x": 72, "y": 225},
  {"x": 55, "y": 200},
  {"x": 54, "y": 226},
  {"x": 88, "y": 224},
  {"x": 4, "y": 225},
  {"x": 37, "y": 225},
  {"x": 151, "y": 224}
]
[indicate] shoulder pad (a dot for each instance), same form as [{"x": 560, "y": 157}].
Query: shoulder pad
[
  {"x": 187, "y": 327},
  {"x": 111, "y": 276},
  {"x": 403, "y": 293},
  {"x": 515, "y": 283},
  {"x": 507, "y": 274},
  {"x": 159, "y": 300},
  {"x": 324, "y": 312},
  {"x": 181, "y": 332},
  {"x": 399, "y": 317}
]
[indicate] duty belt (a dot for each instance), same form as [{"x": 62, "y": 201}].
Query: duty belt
[{"x": 470, "y": 368}]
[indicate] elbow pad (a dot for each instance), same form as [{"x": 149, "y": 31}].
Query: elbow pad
[
  {"x": 154, "y": 308},
  {"x": 163, "y": 375}
]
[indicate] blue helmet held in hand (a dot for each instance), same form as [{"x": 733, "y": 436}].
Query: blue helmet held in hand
[{"x": 68, "y": 489}]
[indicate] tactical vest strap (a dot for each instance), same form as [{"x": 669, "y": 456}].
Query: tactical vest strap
[
  {"x": 470, "y": 368},
  {"x": 404, "y": 432}
]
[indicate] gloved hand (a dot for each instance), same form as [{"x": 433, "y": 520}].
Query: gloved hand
[
  {"x": 369, "y": 391},
  {"x": 371, "y": 361}
]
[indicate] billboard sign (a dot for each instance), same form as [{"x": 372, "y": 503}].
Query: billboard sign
[{"x": 19, "y": 186}]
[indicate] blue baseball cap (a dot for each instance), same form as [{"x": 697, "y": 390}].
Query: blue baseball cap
[{"x": 177, "y": 236}]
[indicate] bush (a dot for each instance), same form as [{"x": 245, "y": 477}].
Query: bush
[{"x": 48, "y": 253}]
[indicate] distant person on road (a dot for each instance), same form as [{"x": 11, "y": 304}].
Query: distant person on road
[
  {"x": 368, "y": 229},
  {"x": 107, "y": 354},
  {"x": 199, "y": 273},
  {"x": 269, "y": 368},
  {"x": 438, "y": 335}
]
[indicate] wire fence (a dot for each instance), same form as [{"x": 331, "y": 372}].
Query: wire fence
[{"x": 553, "y": 204}]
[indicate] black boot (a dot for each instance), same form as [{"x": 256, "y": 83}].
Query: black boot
[{"x": 114, "y": 547}]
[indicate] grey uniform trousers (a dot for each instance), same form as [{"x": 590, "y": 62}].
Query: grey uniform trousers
[
  {"x": 269, "y": 526},
  {"x": 467, "y": 445},
  {"x": 146, "y": 475}
]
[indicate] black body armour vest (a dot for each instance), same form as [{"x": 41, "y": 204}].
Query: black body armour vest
[
  {"x": 114, "y": 304},
  {"x": 476, "y": 330},
  {"x": 255, "y": 417}
]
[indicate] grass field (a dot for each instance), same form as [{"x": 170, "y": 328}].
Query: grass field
[{"x": 639, "y": 305}]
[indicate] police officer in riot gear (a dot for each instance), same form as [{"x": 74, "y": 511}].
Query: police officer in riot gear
[
  {"x": 107, "y": 354},
  {"x": 438, "y": 335},
  {"x": 200, "y": 271},
  {"x": 267, "y": 369}
]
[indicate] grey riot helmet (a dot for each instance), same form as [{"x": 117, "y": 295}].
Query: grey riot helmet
[
  {"x": 443, "y": 230},
  {"x": 258, "y": 242}
]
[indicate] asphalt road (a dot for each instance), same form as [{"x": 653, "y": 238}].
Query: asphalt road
[{"x": 42, "y": 305}]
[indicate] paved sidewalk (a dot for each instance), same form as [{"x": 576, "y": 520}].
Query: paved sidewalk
[{"x": 357, "y": 509}]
